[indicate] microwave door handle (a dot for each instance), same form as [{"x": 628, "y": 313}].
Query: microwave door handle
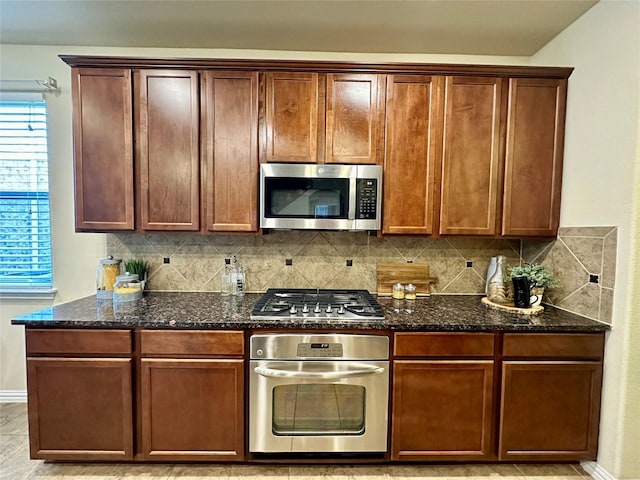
[
  {"x": 352, "y": 198},
  {"x": 272, "y": 372}
]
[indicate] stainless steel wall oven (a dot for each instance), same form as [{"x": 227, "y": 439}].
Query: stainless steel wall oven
[{"x": 318, "y": 393}]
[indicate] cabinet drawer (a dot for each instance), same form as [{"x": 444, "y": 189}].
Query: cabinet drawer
[
  {"x": 443, "y": 344},
  {"x": 78, "y": 342},
  {"x": 191, "y": 342},
  {"x": 556, "y": 345}
]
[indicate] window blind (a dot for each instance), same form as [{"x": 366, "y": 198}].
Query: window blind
[{"x": 25, "y": 225}]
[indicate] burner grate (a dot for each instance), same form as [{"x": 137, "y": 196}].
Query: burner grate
[{"x": 292, "y": 303}]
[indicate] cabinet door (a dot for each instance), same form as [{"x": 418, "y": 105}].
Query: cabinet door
[
  {"x": 230, "y": 126},
  {"x": 292, "y": 117},
  {"x": 412, "y": 114},
  {"x": 442, "y": 410},
  {"x": 192, "y": 409},
  {"x": 352, "y": 118},
  {"x": 80, "y": 408},
  {"x": 533, "y": 162},
  {"x": 103, "y": 149},
  {"x": 550, "y": 410},
  {"x": 471, "y": 156},
  {"x": 167, "y": 111}
]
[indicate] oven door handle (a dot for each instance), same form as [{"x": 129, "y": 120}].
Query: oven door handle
[{"x": 272, "y": 372}]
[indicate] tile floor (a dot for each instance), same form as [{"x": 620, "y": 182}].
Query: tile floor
[{"x": 15, "y": 465}]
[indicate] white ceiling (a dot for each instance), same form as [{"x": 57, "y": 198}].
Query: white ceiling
[{"x": 475, "y": 27}]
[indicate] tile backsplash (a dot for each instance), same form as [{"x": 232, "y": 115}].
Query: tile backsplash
[
  {"x": 584, "y": 261},
  {"x": 318, "y": 259}
]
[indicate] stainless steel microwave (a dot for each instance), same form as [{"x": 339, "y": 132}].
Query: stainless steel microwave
[{"x": 320, "y": 196}]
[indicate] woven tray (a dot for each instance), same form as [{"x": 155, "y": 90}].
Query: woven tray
[{"x": 535, "y": 310}]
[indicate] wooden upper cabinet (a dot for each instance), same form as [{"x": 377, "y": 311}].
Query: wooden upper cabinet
[
  {"x": 103, "y": 149},
  {"x": 471, "y": 165},
  {"x": 167, "y": 111},
  {"x": 352, "y": 118},
  {"x": 292, "y": 117},
  {"x": 413, "y": 112},
  {"x": 533, "y": 162},
  {"x": 230, "y": 130}
]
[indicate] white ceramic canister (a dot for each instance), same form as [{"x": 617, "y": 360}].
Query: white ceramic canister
[{"x": 493, "y": 264}]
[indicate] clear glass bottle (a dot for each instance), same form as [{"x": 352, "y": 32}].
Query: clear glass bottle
[
  {"x": 240, "y": 285},
  {"x": 498, "y": 291},
  {"x": 226, "y": 286},
  {"x": 234, "y": 275}
]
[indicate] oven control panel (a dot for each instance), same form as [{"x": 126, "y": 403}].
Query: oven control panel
[
  {"x": 319, "y": 350},
  {"x": 298, "y": 347}
]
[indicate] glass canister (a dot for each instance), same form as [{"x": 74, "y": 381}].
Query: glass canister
[
  {"x": 127, "y": 288},
  {"x": 498, "y": 290},
  {"x": 409, "y": 297},
  {"x": 106, "y": 274}
]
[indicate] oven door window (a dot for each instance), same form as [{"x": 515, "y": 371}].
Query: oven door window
[
  {"x": 318, "y": 409},
  {"x": 306, "y": 197}
]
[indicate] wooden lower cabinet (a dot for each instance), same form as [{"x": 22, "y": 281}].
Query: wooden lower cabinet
[
  {"x": 80, "y": 408},
  {"x": 442, "y": 410},
  {"x": 550, "y": 396},
  {"x": 192, "y": 409},
  {"x": 443, "y": 396},
  {"x": 191, "y": 395}
]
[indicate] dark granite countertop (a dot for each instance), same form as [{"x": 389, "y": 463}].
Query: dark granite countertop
[{"x": 182, "y": 310}]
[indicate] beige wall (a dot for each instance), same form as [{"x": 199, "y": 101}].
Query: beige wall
[{"x": 600, "y": 154}]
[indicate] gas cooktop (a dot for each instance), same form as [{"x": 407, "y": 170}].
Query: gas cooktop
[{"x": 317, "y": 304}]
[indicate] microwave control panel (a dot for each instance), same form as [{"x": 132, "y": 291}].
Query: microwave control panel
[{"x": 366, "y": 198}]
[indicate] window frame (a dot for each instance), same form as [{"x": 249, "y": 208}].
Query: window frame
[{"x": 31, "y": 289}]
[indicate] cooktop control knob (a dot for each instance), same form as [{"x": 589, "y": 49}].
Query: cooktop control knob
[
  {"x": 341, "y": 309},
  {"x": 293, "y": 310},
  {"x": 317, "y": 308},
  {"x": 328, "y": 310},
  {"x": 305, "y": 308}
]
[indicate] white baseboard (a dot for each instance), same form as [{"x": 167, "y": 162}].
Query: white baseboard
[
  {"x": 596, "y": 471},
  {"x": 13, "y": 396}
]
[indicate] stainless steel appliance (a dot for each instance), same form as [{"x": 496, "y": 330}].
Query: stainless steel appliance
[
  {"x": 318, "y": 393},
  {"x": 317, "y": 304},
  {"x": 320, "y": 197}
]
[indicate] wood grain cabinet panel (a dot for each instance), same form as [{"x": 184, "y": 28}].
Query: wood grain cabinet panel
[
  {"x": 412, "y": 136},
  {"x": 550, "y": 410},
  {"x": 292, "y": 117},
  {"x": 192, "y": 409},
  {"x": 471, "y": 162},
  {"x": 78, "y": 342},
  {"x": 352, "y": 118},
  {"x": 440, "y": 344},
  {"x": 167, "y": 109},
  {"x": 442, "y": 410},
  {"x": 192, "y": 342},
  {"x": 576, "y": 346},
  {"x": 103, "y": 149},
  {"x": 534, "y": 153},
  {"x": 230, "y": 129},
  {"x": 80, "y": 408}
]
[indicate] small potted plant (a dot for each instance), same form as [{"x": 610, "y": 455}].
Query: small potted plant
[
  {"x": 539, "y": 278},
  {"x": 139, "y": 267}
]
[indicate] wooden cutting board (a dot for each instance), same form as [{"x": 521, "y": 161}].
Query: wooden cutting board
[{"x": 388, "y": 274}]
